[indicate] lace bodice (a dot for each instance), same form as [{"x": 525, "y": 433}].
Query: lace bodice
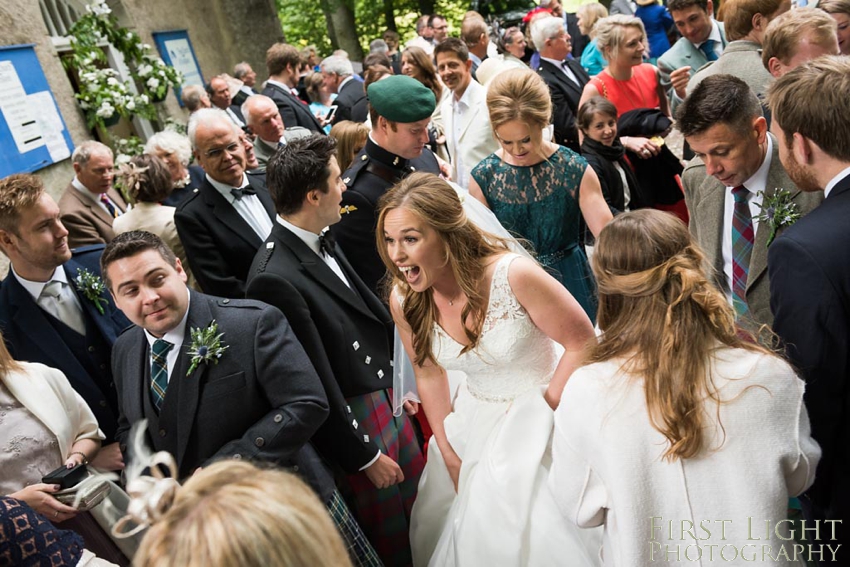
[
  {"x": 513, "y": 355},
  {"x": 537, "y": 202}
]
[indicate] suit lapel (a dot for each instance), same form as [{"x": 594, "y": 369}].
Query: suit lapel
[
  {"x": 712, "y": 207},
  {"x": 319, "y": 271},
  {"x": 138, "y": 384},
  {"x": 98, "y": 211},
  {"x": 225, "y": 212},
  {"x": 117, "y": 200},
  {"x": 187, "y": 401}
]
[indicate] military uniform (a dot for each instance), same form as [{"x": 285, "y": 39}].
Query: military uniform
[{"x": 372, "y": 173}]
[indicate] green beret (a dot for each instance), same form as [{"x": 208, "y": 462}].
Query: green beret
[{"x": 402, "y": 99}]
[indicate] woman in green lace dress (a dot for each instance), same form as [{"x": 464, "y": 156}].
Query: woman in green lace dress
[{"x": 537, "y": 189}]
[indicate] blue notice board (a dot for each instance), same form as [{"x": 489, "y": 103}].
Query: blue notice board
[
  {"x": 33, "y": 134},
  {"x": 176, "y": 49}
]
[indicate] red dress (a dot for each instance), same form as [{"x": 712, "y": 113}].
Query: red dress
[{"x": 641, "y": 91}]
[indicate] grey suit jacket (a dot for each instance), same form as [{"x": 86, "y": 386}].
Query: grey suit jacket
[
  {"x": 705, "y": 197},
  {"x": 264, "y": 151},
  {"x": 262, "y": 401},
  {"x": 741, "y": 59},
  {"x": 683, "y": 53},
  {"x": 87, "y": 222}
]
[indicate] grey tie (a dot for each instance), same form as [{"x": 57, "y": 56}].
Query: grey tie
[{"x": 56, "y": 299}]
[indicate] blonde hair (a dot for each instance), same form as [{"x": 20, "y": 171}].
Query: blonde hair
[
  {"x": 350, "y": 138},
  {"x": 235, "y": 513},
  {"x": 519, "y": 94},
  {"x": 610, "y": 33},
  {"x": 590, "y": 14},
  {"x": 784, "y": 34},
  {"x": 737, "y": 15},
  {"x": 466, "y": 249},
  {"x": 17, "y": 192},
  {"x": 659, "y": 311},
  {"x": 7, "y": 363}
]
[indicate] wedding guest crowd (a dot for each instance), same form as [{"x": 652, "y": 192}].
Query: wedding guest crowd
[{"x": 467, "y": 307}]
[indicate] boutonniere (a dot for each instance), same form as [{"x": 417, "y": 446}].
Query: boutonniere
[
  {"x": 206, "y": 346},
  {"x": 778, "y": 211},
  {"x": 92, "y": 287}
]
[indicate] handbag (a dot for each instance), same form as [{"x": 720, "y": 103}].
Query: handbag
[{"x": 90, "y": 492}]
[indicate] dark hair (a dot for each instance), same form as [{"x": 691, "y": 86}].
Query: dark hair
[
  {"x": 718, "y": 99},
  {"x": 299, "y": 167},
  {"x": 433, "y": 17},
  {"x": 683, "y": 4},
  {"x": 146, "y": 178},
  {"x": 390, "y": 34},
  {"x": 375, "y": 73},
  {"x": 129, "y": 244},
  {"x": 452, "y": 45},
  {"x": 374, "y": 59},
  {"x": 592, "y": 106}
]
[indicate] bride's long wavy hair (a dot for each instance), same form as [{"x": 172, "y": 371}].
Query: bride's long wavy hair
[
  {"x": 466, "y": 249},
  {"x": 659, "y": 311}
]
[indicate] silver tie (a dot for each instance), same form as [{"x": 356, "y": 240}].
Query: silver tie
[{"x": 56, "y": 299}]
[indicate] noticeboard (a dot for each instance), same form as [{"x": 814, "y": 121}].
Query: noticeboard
[{"x": 176, "y": 49}]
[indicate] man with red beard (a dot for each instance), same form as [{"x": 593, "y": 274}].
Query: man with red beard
[{"x": 810, "y": 273}]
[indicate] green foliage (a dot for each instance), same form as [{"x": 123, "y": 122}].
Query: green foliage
[{"x": 304, "y": 22}]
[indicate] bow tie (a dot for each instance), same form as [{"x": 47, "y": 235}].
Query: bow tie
[
  {"x": 327, "y": 243},
  {"x": 238, "y": 193}
]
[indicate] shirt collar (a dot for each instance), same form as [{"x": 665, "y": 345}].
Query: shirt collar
[
  {"x": 715, "y": 34},
  {"x": 311, "y": 239},
  {"x": 834, "y": 181},
  {"x": 283, "y": 86},
  {"x": 464, "y": 100},
  {"x": 175, "y": 335},
  {"x": 554, "y": 62},
  {"x": 383, "y": 155},
  {"x": 475, "y": 58},
  {"x": 224, "y": 189},
  {"x": 345, "y": 80},
  {"x": 35, "y": 288}
]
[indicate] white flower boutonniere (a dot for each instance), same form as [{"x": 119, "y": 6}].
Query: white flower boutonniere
[
  {"x": 778, "y": 211},
  {"x": 92, "y": 287},
  {"x": 206, "y": 346}
]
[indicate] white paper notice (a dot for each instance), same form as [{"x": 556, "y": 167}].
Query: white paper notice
[
  {"x": 180, "y": 53},
  {"x": 17, "y": 113},
  {"x": 51, "y": 125}
]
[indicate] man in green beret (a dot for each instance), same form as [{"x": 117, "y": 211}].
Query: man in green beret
[{"x": 400, "y": 108}]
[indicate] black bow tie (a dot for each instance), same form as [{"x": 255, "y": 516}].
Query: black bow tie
[
  {"x": 239, "y": 193},
  {"x": 327, "y": 243}
]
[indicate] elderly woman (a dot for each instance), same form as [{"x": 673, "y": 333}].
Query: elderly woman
[
  {"x": 44, "y": 425},
  {"x": 176, "y": 151},
  {"x": 147, "y": 181}
]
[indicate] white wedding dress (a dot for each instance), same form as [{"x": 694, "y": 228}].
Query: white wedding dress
[{"x": 501, "y": 427}]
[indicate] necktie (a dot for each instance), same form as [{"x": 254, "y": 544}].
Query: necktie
[
  {"x": 109, "y": 206},
  {"x": 55, "y": 300},
  {"x": 707, "y": 48},
  {"x": 238, "y": 193},
  {"x": 743, "y": 236},
  {"x": 327, "y": 243},
  {"x": 159, "y": 371}
]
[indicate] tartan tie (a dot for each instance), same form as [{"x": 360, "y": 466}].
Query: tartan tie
[
  {"x": 707, "y": 48},
  {"x": 159, "y": 371},
  {"x": 743, "y": 236},
  {"x": 109, "y": 206}
]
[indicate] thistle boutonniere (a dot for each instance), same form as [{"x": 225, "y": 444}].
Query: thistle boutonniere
[
  {"x": 206, "y": 346},
  {"x": 778, "y": 211},
  {"x": 92, "y": 287}
]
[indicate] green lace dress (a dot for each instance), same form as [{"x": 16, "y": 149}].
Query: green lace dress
[{"x": 540, "y": 204}]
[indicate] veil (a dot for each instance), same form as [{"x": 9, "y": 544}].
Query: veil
[{"x": 404, "y": 382}]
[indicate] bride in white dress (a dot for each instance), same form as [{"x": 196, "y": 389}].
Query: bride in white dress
[{"x": 462, "y": 301}]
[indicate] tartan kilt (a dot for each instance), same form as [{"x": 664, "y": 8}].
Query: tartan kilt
[{"x": 384, "y": 514}]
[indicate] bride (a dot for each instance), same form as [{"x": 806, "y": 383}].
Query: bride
[{"x": 462, "y": 301}]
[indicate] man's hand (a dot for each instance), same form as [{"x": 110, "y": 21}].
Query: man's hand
[
  {"x": 679, "y": 80},
  {"x": 384, "y": 472},
  {"x": 39, "y": 498},
  {"x": 109, "y": 458}
]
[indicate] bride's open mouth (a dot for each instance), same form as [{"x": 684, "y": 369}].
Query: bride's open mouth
[{"x": 411, "y": 273}]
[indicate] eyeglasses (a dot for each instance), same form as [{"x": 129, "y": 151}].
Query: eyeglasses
[{"x": 218, "y": 153}]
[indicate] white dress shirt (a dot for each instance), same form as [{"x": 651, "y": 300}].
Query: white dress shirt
[
  {"x": 834, "y": 181},
  {"x": 234, "y": 117},
  {"x": 94, "y": 197},
  {"x": 249, "y": 207},
  {"x": 175, "y": 337},
  {"x": 754, "y": 185}
]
